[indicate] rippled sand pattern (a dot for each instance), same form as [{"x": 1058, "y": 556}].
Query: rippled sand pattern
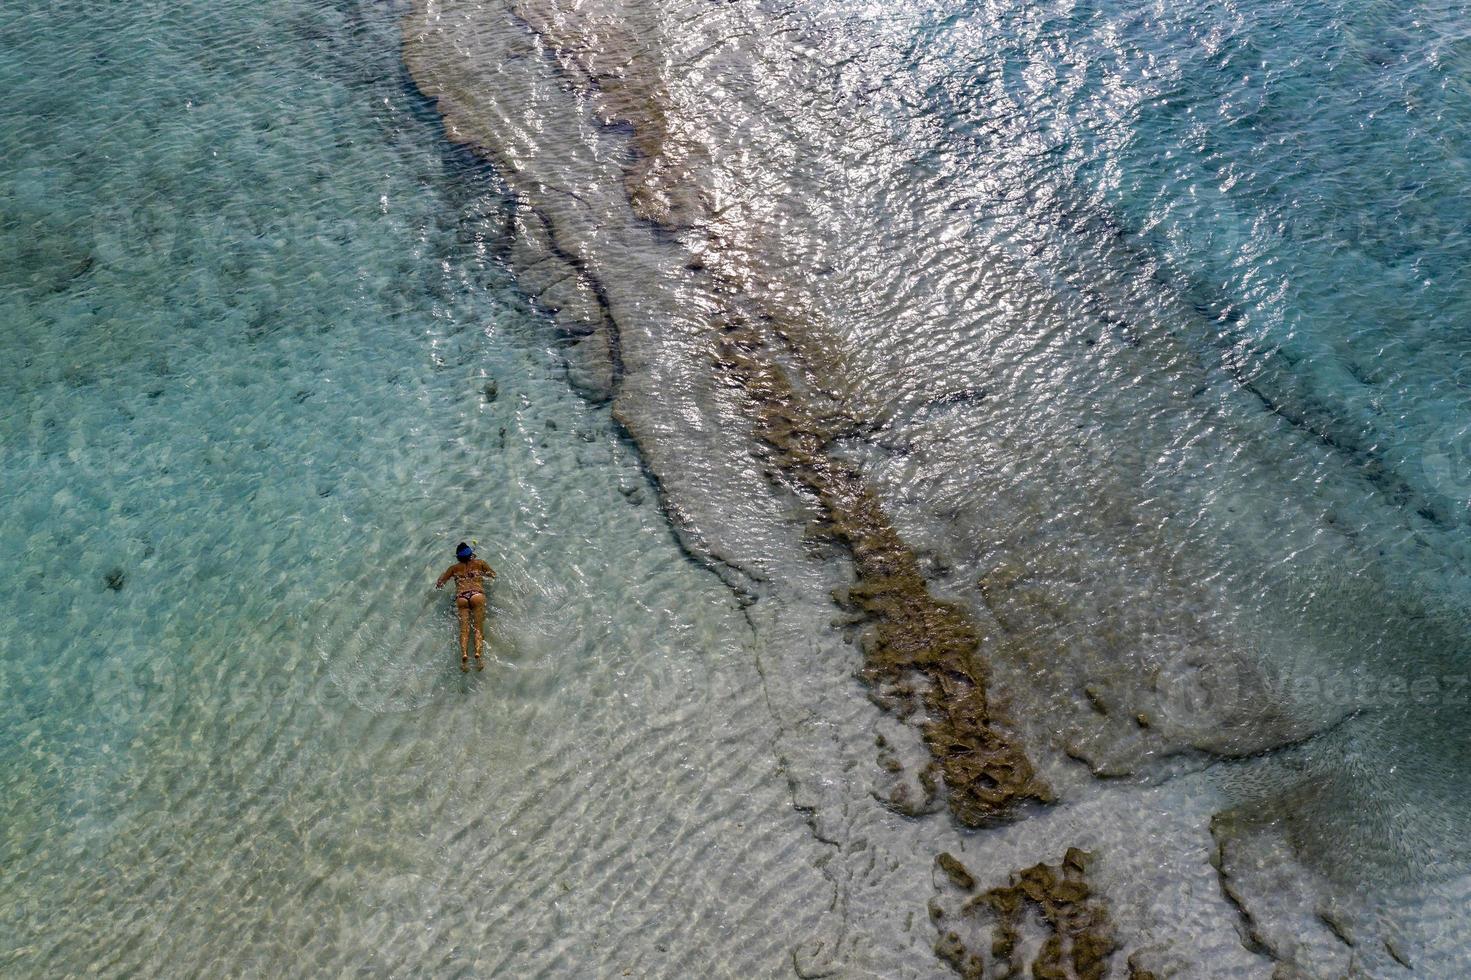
[
  {"x": 262, "y": 369},
  {"x": 1002, "y": 244},
  {"x": 742, "y": 338}
]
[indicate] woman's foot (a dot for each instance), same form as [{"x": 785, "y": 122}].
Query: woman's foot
[
  {"x": 464, "y": 663},
  {"x": 479, "y": 662}
]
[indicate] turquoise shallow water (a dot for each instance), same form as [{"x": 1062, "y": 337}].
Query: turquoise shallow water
[
  {"x": 252, "y": 303},
  {"x": 262, "y": 368}
]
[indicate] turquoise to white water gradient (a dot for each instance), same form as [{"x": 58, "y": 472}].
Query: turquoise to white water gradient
[{"x": 262, "y": 365}]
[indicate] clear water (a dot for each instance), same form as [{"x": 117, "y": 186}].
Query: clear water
[
  {"x": 251, "y": 305},
  {"x": 1251, "y": 219},
  {"x": 1151, "y": 323},
  {"x": 1158, "y": 311}
]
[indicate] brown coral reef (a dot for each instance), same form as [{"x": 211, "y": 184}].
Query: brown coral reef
[
  {"x": 920, "y": 652},
  {"x": 1078, "y": 933}
]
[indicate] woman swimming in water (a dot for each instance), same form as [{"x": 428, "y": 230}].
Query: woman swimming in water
[{"x": 468, "y": 574}]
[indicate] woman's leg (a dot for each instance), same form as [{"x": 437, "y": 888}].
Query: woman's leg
[
  {"x": 464, "y": 607},
  {"x": 477, "y": 606}
]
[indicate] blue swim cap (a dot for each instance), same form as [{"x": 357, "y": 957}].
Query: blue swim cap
[{"x": 464, "y": 551}]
